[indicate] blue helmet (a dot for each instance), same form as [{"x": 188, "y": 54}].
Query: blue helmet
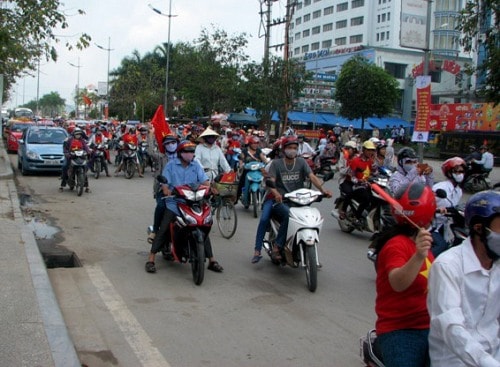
[{"x": 484, "y": 204}]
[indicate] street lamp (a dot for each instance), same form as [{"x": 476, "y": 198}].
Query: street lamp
[
  {"x": 77, "y": 85},
  {"x": 169, "y": 15},
  {"x": 109, "y": 49}
]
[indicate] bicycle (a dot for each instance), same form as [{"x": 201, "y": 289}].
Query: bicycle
[{"x": 223, "y": 207}]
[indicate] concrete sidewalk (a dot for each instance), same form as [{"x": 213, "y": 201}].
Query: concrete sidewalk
[{"x": 33, "y": 329}]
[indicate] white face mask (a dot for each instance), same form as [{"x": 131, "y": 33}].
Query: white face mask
[
  {"x": 458, "y": 177},
  {"x": 290, "y": 153},
  {"x": 408, "y": 167},
  {"x": 493, "y": 241}
]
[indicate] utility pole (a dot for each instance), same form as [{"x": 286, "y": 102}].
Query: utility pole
[
  {"x": 77, "y": 85},
  {"x": 290, "y": 7}
]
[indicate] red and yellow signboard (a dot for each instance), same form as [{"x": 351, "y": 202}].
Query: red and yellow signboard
[
  {"x": 423, "y": 103},
  {"x": 464, "y": 117}
]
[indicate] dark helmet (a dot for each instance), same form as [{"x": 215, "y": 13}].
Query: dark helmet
[
  {"x": 186, "y": 146},
  {"x": 131, "y": 130},
  {"x": 472, "y": 148},
  {"x": 77, "y": 131},
  {"x": 289, "y": 141},
  {"x": 143, "y": 129},
  {"x": 481, "y": 206},
  {"x": 406, "y": 153},
  {"x": 418, "y": 204},
  {"x": 169, "y": 138}
]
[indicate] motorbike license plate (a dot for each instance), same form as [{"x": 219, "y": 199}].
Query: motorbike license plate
[{"x": 51, "y": 162}]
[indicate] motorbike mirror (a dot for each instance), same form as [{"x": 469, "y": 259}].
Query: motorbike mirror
[
  {"x": 270, "y": 184},
  {"x": 440, "y": 193},
  {"x": 161, "y": 179},
  {"x": 328, "y": 176}
]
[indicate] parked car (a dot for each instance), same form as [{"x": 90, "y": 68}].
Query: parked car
[
  {"x": 41, "y": 149},
  {"x": 13, "y": 133}
]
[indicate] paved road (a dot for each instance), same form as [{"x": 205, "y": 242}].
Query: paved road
[{"x": 251, "y": 315}]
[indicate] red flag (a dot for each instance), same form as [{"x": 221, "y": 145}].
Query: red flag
[
  {"x": 162, "y": 128},
  {"x": 87, "y": 100}
]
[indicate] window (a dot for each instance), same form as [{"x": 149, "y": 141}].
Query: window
[
  {"x": 305, "y": 48},
  {"x": 448, "y": 5},
  {"x": 307, "y": 2},
  {"x": 314, "y": 46},
  {"x": 342, "y": 7},
  {"x": 306, "y": 33},
  {"x": 387, "y": 35},
  {"x": 382, "y": 36},
  {"x": 341, "y": 24},
  {"x": 291, "y": 26},
  {"x": 341, "y": 41},
  {"x": 356, "y": 21},
  {"x": 296, "y": 50},
  {"x": 307, "y": 18},
  {"x": 299, "y": 6},
  {"x": 297, "y": 36},
  {"x": 316, "y": 14},
  {"x": 327, "y": 27},
  {"x": 383, "y": 17},
  {"x": 389, "y": 16},
  {"x": 358, "y": 38},
  {"x": 378, "y": 19},
  {"x": 298, "y": 21},
  {"x": 378, "y": 35},
  {"x": 316, "y": 30},
  {"x": 328, "y": 11},
  {"x": 357, "y": 3},
  {"x": 326, "y": 44}
]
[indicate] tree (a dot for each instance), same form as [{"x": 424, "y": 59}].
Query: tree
[
  {"x": 49, "y": 105},
  {"x": 27, "y": 35},
  {"x": 479, "y": 23},
  {"x": 365, "y": 90}
]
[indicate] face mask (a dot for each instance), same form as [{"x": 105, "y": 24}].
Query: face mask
[
  {"x": 210, "y": 139},
  {"x": 458, "y": 177},
  {"x": 187, "y": 157},
  {"x": 493, "y": 239},
  {"x": 408, "y": 167},
  {"x": 290, "y": 153},
  {"x": 171, "y": 147}
]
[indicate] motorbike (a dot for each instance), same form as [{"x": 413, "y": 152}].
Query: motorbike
[
  {"x": 377, "y": 216},
  {"x": 304, "y": 226},
  {"x": 129, "y": 157},
  {"x": 190, "y": 231},
  {"x": 234, "y": 158},
  {"x": 252, "y": 191},
  {"x": 77, "y": 170},
  {"x": 99, "y": 157},
  {"x": 144, "y": 157},
  {"x": 455, "y": 230},
  {"x": 477, "y": 181},
  {"x": 369, "y": 350},
  {"x": 309, "y": 157},
  {"x": 326, "y": 165}
]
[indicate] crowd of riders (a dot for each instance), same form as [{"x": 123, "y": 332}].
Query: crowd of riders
[{"x": 454, "y": 303}]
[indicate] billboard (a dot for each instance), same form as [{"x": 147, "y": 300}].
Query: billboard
[
  {"x": 413, "y": 24},
  {"x": 464, "y": 117}
]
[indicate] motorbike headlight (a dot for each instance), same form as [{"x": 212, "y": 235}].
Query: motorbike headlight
[{"x": 32, "y": 155}]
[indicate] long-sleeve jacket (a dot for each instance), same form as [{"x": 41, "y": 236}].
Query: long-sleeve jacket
[
  {"x": 400, "y": 179},
  {"x": 212, "y": 159}
]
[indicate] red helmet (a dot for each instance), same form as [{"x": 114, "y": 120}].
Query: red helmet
[
  {"x": 450, "y": 164},
  {"x": 253, "y": 140},
  {"x": 289, "y": 141},
  {"x": 186, "y": 146},
  {"x": 418, "y": 203},
  {"x": 277, "y": 144}
]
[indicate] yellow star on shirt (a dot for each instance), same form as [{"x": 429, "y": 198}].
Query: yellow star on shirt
[{"x": 425, "y": 272}]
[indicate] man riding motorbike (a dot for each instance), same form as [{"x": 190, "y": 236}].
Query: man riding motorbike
[
  {"x": 96, "y": 140},
  {"x": 349, "y": 151},
  {"x": 252, "y": 153},
  {"x": 180, "y": 171},
  {"x": 129, "y": 138},
  {"x": 75, "y": 142}
]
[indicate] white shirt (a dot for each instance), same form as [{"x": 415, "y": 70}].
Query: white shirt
[
  {"x": 212, "y": 159},
  {"x": 305, "y": 148},
  {"x": 453, "y": 197},
  {"x": 486, "y": 160},
  {"x": 464, "y": 306}
]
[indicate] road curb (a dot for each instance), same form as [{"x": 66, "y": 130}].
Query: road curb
[{"x": 6, "y": 172}]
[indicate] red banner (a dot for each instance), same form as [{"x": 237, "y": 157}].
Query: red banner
[
  {"x": 423, "y": 103},
  {"x": 465, "y": 117},
  {"x": 87, "y": 100},
  {"x": 161, "y": 127}
]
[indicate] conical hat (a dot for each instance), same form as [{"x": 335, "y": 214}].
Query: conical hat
[{"x": 208, "y": 132}]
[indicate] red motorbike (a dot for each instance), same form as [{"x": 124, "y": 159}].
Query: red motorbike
[{"x": 189, "y": 232}]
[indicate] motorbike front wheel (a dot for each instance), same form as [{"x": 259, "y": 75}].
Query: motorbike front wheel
[
  {"x": 97, "y": 168},
  {"x": 129, "y": 168},
  {"x": 80, "y": 181},
  {"x": 198, "y": 261},
  {"x": 311, "y": 266},
  {"x": 255, "y": 204},
  {"x": 344, "y": 224}
]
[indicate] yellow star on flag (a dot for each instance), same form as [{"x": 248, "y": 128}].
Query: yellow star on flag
[{"x": 425, "y": 272}]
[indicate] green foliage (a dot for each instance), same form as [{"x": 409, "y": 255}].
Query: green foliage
[
  {"x": 50, "y": 105},
  {"x": 365, "y": 90},
  {"x": 27, "y": 35},
  {"x": 476, "y": 30}
]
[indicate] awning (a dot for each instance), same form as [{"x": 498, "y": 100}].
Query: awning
[{"x": 242, "y": 118}]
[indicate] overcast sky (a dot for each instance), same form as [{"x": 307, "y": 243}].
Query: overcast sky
[{"x": 132, "y": 25}]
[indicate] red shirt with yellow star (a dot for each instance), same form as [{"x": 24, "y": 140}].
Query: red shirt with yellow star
[
  {"x": 406, "y": 309},
  {"x": 361, "y": 168}
]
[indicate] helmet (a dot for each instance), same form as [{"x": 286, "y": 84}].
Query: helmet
[
  {"x": 186, "y": 146},
  {"x": 131, "y": 130},
  {"x": 382, "y": 144},
  {"x": 374, "y": 140},
  {"x": 485, "y": 147},
  {"x": 301, "y": 136},
  {"x": 483, "y": 205},
  {"x": 369, "y": 145},
  {"x": 123, "y": 124},
  {"x": 288, "y": 141},
  {"x": 449, "y": 164},
  {"x": 405, "y": 153},
  {"x": 168, "y": 138},
  {"x": 77, "y": 131},
  {"x": 143, "y": 129},
  {"x": 253, "y": 140},
  {"x": 472, "y": 148},
  {"x": 350, "y": 144},
  {"x": 418, "y": 204}
]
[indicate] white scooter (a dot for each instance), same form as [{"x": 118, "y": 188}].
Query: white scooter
[{"x": 302, "y": 238}]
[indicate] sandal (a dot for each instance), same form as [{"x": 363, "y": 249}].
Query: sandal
[
  {"x": 150, "y": 267},
  {"x": 151, "y": 237},
  {"x": 215, "y": 266},
  {"x": 256, "y": 259},
  {"x": 276, "y": 253}
]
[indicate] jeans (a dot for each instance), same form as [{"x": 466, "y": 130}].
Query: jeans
[
  {"x": 438, "y": 244},
  {"x": 159, "y": 212},
  {"x": 405, "y": 348},
  {"x": 271, "y": 208}
]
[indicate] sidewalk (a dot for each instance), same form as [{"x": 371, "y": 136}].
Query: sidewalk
[{"x": 33, "y": 329}]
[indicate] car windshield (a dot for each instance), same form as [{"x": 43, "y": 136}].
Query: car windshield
[
  {"x": 19, "y": 127},
  {"x": 46, "y": 137}
]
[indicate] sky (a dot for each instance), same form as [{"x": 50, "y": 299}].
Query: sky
[{"x": 133, "y": 25}]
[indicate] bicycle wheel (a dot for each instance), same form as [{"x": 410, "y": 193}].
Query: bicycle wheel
[{"x": 227, "y": 220}]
